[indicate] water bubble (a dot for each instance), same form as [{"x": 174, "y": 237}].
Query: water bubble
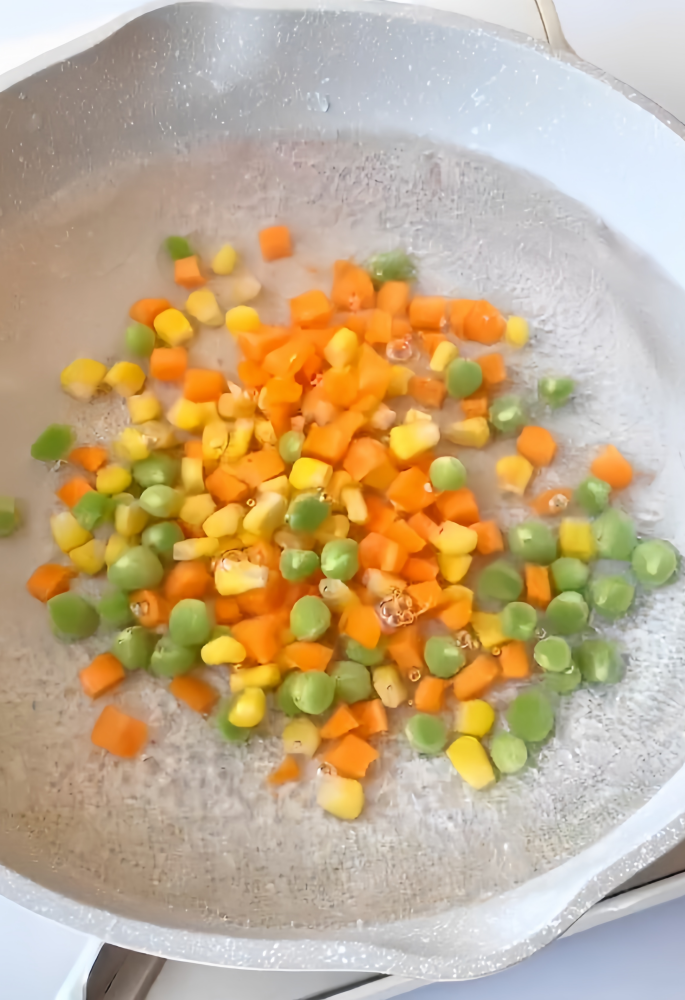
[{"x": 317, "y": 101}]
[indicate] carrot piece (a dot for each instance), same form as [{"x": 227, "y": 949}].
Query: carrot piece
[
  {"x": 187, "y": 272},
  {"x": 475, "y": 405},
  {"x": 371, "y": 717},
  {"x": 49, "y": 580},
  {"x": 378, "y": 552},
  {"x": 382, "y": 477},
  {"x": 537, "y": 445},
  {"x": 256, "y": 344},
  {"x": 197, "y": 694},
  {"x": 420, "y": 570},
  {"x": 457, "y": 615},
  {"x": 287, "y": 359},
  {"x": 489, "y": 537},
  {"x": 364, "y": 455},
  {"x": 149, "y": 607},
  {"x": 225, "y": 487},
  {"x": 263, "y": 600},
  {"x": 393, "y": 298},
  {"x": 187, "y": 579},
  {"x": 399, "y": 531},
  {"x": 341, "y": 722},
  {"x": 252, "y": 375},
  {"x": 406, "y": 648},
  {"x": 429, "y": 695},
  {"x": 458, "y": 505},
  {"x": 551, "y": 503},
  {"x": 90, "y": 457},
  {"x": 401, "y": 328},
  {"x": 476, "y": 677},
  {"x": 426, "y": 595},
  {"x": 263, "y": 553},
  {"x": 193, "y": 448},
  {"x": 312, "y": 366},
  {"x": 493, "y": 368},
  {"x": 431, "y": 341},
  {"x": 341, "y": 386},
  {"x": 538, "y": 587},
  {"x": 514, "y": 660},
  {"x": 311, "y": 309},
  {"x": 327, "y": 443},
  {"x": 227, "y": 611},
  {"x": 423, "y": 525},
  {"x": 352, "y": 756},
  {"x": 101, "y": 675},
  {"x": 613, "y": 468},
  {"x": 287, "y": 770},
  {"x": 428, "y": 392},
  {"x": 381, "y": 514},
  {"x": 352, "y": 287},
  {"x": 411, "y": 491},
  {"x": 168, "y": 364},
  {"x": 459, "y": 310},
  {"x": 307, "y": 656},
  {"x": 354, "y": 321},
  {"x": 119, "y": 733},
  {"x": 427, "y": 312},
  {"x": 362, "y": 624},
  {"x": 281, "y": 417},
  {"x": 282, "y": 390},
  {"x": 275, "y": 242},
  {"x": 72, "y": 491},
  {"x": 379, "y": 327},
  {"x": 260, "y": 636},
  {"x": 484, "y": 323},
  {"x": 145, "y": 311},
  {"x": 203, "y": 385},
  {"x": 259, "y": 466},
  {"x": 374, "y": 373}
]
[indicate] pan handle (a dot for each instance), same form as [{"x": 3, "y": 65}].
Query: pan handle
[{"x": 552, "y": 25}]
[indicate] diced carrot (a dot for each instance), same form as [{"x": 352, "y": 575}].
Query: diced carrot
[
  {"x": 145, "y": 311},
  {"x": 90, "y": 457},
  {"x": 378, "y": 552},
  {"x": 187, "y": 272},
  {"x": 457, "y": 615},
  {"x": 193, "y": 448},
  {"x": 341, "y": 386},
  {"x": 427, "y": 312},
  {"x": 119, "y": 733},
  {"x": 297, "y": 590},
  {"x": 288, "y": 359},
  {"x": 458, "y": 505},
  {"x": 538, "y": 587},
  {"x": 382, "y": 477},
  {"x": 49, "y": 580},
  {"x": 493, "y": 368},
  {"x": 264, "y": 600},
  {"x": 401, "y": 328},
  {"x": 613, "y": 468},
  {"x": 489, "y": 537},
  {"x": 341, "y": 722},
  {"x": 307, "y": 656},
  {"x": 203, "y": 385},
  {"x": 264, "y": 553},
  {"x": 429, "y": 695},
  {"x": 406, "y": 648},
  {"x": 551, "y": 503},
  {"x": 411, "y": 491},
  {"x": 252, "y": 375},
  {"x": 374, "y": 373},
  {"x": 311, "y": 309},
  {"x": 354, "y": 321},
  {"x": 287, "y": 770},
  {"x": 537, "y": 445},
  {"x": 319, "y": 338},
  {"x": 225, "y": 487},
  {"x": 475, "y": 679},
  {"x": 484, "y": 323},
  {"x": 260, "y": 637},
  {"x": 275, "y": 242},
  {"x": 399, "y": 531},
  {"x": 393, "y": 298},
  {"x": 428, "y": 392},
  {"x": 328, "y": 443},
  {"x": 362, "y": 624},
  {"x": 187, "y": 579},
  {"x": 364, "y": 455},
  {"x": 423, "y": 525},
  {"x": 476, "y": 405},
  {"x": 459, "y": 310},
  {"x": 312, "y": 366},
  {"x": 168, "y": 364},
  {"x": 259, "y": 466},
  {"x": 351, "y": 757},
  {"x": 280, "y": 417},
  {"x": 149, "y": 607},
  {"x": 420, "y": 570},
  {"x": 381, "y": 514},
  {"x": 282, "y": 390},
  {"x": 256, "y": 344},
  {"x": 197, "y": 694},
  {"x": 73, "y": 490},
  {"x": 514, "y": 660},
  {"x": 371, "y": 716},
  {"x": 352, "y": 287},
  {"x": 426, "y": 595},
  {"x": 379, "y": 327},
  {"x": 431, "y": 341},
  {"x": 227, "y": 611},
  {"x": 191, "y": 530},
  {"x": 102, "y": 674}
]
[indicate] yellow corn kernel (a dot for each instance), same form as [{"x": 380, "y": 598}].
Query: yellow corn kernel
[
  {"x": 454, "y": 539},
  {"x": 517, "y": 333},
  {"x": 67, "y": 532},
  {"x": 287, "y": 539},
  {"x": 89, "y": 558},
  {"x": 455, "y": 592},
  {"x": 399, "y": 381},
  {"x": 232, "y": 578},
  {"x": 248, "y": 709},
  {"x": 442, "y": 355},
  {"x": 158, "y": 434},
  {"x": 209, "y": 413},
  {"x": 203, "y": 307},
  {"x": 242, "y": 288},
  {"x": 454, "y": 568},
  {"x": 265, "y": 433},
  {"x": 488, "y": 628},
  {"x": 409, "y": 440},
  {"x": 247, "y": 538},
  {"x": 173, "y": 327},
  {"x": 339, "y": 480},
  {"x": 130, "y": 519},
  {"x": 355, "y": 505},
  {"x": 192, "y": 475},
  {"x": 224, "y": 522},
  {"x": 266, "y": 676},
  {"x": 236, "y": 403},
  {"x": 116, "y": 546},
  {"x": 471, "y": 433},
  {"x": 126, "y": 378},
  {"x": 471, "y": 762},
  {"x": 278, "y": 485},
  {"x": 341, "y": 350},
  {"x": 341, "y": 797},
  {"x": 225, "y": 649},
  {"x": 380, "y": 584},
  {"x": 301, "y": 736},
  {"x": 413, "y": 415},
  {"x": 224, "y": 260},
  {"x": 514, "y": 472},
  {"x": 310, "y": 474},
  {"x": 143, "y": 407},
  {"x": 266, "y": 515},
  {"x": 195, "y": 548},
  {"x": 239, "y": 440},
  {"x": 197, "y": 509},
  {"x": 335, "y": 526},
  {"x": 131, "y": 445},
  {"x": 82, "y": 378},
  {"x": 337, "y": 595},
  {"x": 576, "y": 539},
  {"x": 389, "y": 686},
  {"x": 214, "y": 441},
  {"x": 185, "y": 415},
  {"x": 474, "y": 718},
  {"x": 242, "y": 319},
  {"x": 113, "y": 479}
]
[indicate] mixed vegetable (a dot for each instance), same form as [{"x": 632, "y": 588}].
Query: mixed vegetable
[{"x": 307, "y": 531}]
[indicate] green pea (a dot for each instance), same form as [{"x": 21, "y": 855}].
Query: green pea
[
  {"x": 564, "y": 683},
  {"x": 339, "y": 559},
  {"x": 189, "y": 623},
  {"x": 170, "y": 659},
  {"x": 500, "y": 582},
  {"x": 162, "y": 537},
  {"x": 161, "y": 501},
  {"x": 463, "y": 377},
  {"x": 290, "y": 446},
  {"x": 553, "y": 654},
  {"x": 508, "y": 414},
  {"x": 599, "y": 661},
  {"x": 307, "y": 512},
  {"x": 530, "y": 716},
  {"x": 519, "y": 621},
  {"x": 140, "y": 340},
  {"x": 284, "y": 695},
  {"x": 72, "y": 617},
  {"x": 178, "y": 247},
  {"x": 568, "y": 613},
  {"x": 426, "y": 734},
  {"x": 137, "y": 569},
  {"x": 447, "y": 473},
  {"x": 53, "y": 444},
  {"x": 313, "y": 692},
  {"x": 555, "y": 391},
  {"x": 611, "y": 596},
  {"x": 309, "y": 618},
  {"x": 614, "y": 534},
  {"x": 234, "y": 734},
  {"x": 395, "y": 265},
  {"x": 443, "y": 657},
  {"x": 298, "y": 564},
  {"x": 360, "y": 654},
  {"x": 568, "y": 573},
  {"x": 93, "y": 510},
  {"x": 352, "y": 681},
  {"x": 508, "y": 752},
  {"x": 593, "y": 495},
  {"x": 158, "y": 469},
  {"x": 654, "y": 563},
  {"x": 534, "y": 542},
  {"x": 9, "y": 517},
  {"x": 115, "y": 609},
  {"x": 134, "y": 647}
]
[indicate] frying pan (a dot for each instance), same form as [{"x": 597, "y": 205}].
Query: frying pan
[{"x": 509, "y": 172}]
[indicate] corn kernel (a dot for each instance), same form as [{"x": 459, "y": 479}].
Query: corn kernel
[
  {"x": 228, "y": 543},
  {"x": 242, "y": 288},
  {"x": 131, "y": 445},
  {"x": 413, "y": 416},
  {"x": 455, "y": 593},
  {"x": 116, "y": 546},
  {"x": 471, "y": 433},
  {"x": 203, "y": 307},
  {"x": 341, "y": 797},
  {"x": 471, "y": 762},
  {"x": 214, "y": 441},
  {"x": 130, "y": 519},
  {"x": 514, "y": 472},
  {"x": 185, "y": 415},
  {"x": 224, "y": 522},
  {"x": 265, "y": 433},
  {"x": 239, "y": 440},
  {"x": 89, "y": 558},
  {"x": 82, "y": 378},
  {"x": 380, "y": 584},
  {"x": 242, "y": 319},
  {"x": 173, "y": 327},
  {"x": 301, "y": 736},
  {"x": 517, "y": 333},
  {"x": 266, "y": 515},
  {"x": 341, "y": 350},
  {"x": 236, "y": 403},
  {"x": 409, "y": 440},
  {"x": 399, "y": 381},
  {"x": 454, "y": 568},
  {"x": 339, "y": 480},
  {"x": 278, "y": 485},
  {"x": 209, "y": 413},
  {"x": 335, "y": 526},
  {"x": 224, "y": 260},
  {"x": 474, "y": 718},
  {"x": 310, "y": 474},
  {"x": 126, "y": 378},
  {"x": 576, "y": 539},
  {"x": 197, "y": 509},
  {"x": 454, "y": 539},
  {"x": 67, "y": 532},
  {"x": 143, "y": 407},
  {"x": 192, "y": 475},
  {"x": 225, "y": 649},
  {"x": 442, "y": 355},
  {"x": 195, "y": 548},
  {"x": 247, "y": 538},
  {"x": 158, "y": 434},
  {"x": 355, "y": 505},
  {"x": 488, "y": 628},
  {"x": 113, "y": 479},
  {"x": 266, "y": 676},
  {"x": 389, "y": 686},
  {"x": 248, "y": 709},
  {"x": 232, "y": 578},
  {"x": 337, "y": 595}
]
